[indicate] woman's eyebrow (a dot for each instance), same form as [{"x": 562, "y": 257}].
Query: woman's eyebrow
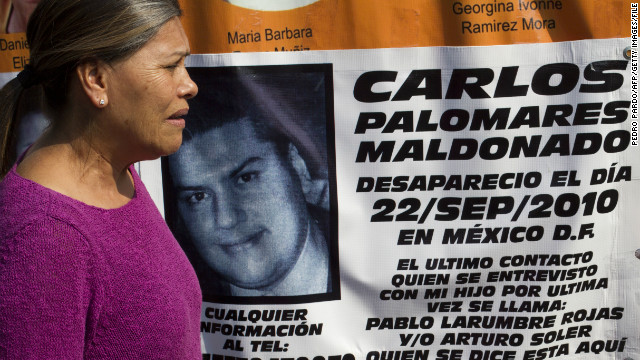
[{"x": 181, "y": 53}]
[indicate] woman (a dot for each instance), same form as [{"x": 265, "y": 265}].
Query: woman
[{"x": 88, "y": 268}]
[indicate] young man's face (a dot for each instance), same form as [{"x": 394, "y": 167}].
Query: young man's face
[{"x": 242, "y": 204}]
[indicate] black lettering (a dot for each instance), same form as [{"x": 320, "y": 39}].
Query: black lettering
[
  {"x": 461, "y": 120},
  {"x": 362, "y": 90},
  {"x": 368, "y": 150},
  {"x": 370, "y": 120},
  {"x": 401, "y": 120},
  {"x": 506, "y": 84},
  {"x": 410, "y": 88},
  {"x": 499, "y": 119},
  {"x": 541, "y": 82},
  {"x": 587, "y": 114},
  {"x": 459, "y": 84},
  {"x": 557, "y": 114},
  {"x": 608, "y": 81},
  {"x": 615, "y": 110}
]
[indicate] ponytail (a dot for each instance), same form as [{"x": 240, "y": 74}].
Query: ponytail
[
  {"x": 17, "y": 98},
  {"x": 9, "y": 98}
]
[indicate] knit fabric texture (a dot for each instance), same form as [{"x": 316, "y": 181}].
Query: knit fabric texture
[{"x": 81, "y": 282}]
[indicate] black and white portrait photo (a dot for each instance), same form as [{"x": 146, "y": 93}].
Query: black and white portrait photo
[{"x": 250, "y": 195}]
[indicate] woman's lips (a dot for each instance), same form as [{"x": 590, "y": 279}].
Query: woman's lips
[
  {"x": 177, "y": 122},
  {"x": 177, "y": 119}
]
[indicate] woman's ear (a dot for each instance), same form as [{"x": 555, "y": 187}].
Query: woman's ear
[
  {"x": 93, "y": 75},
  {"x": 316, "y": 191}
]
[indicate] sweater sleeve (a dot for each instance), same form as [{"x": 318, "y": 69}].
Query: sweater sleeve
[{"x": 45, "y": 292}]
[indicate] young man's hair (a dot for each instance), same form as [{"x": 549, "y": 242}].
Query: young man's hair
[{"x": 227, "y": 99}]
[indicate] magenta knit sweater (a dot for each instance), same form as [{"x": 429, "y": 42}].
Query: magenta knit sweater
[{"x": 80, "y": 282}]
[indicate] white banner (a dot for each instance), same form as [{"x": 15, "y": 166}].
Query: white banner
[{"x": 417, "y": 203}]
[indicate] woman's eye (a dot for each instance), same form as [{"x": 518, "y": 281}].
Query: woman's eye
[{"x": 173, "y": 66}]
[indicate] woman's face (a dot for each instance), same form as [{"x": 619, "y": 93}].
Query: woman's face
[{"x": 147, "y": 96}]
